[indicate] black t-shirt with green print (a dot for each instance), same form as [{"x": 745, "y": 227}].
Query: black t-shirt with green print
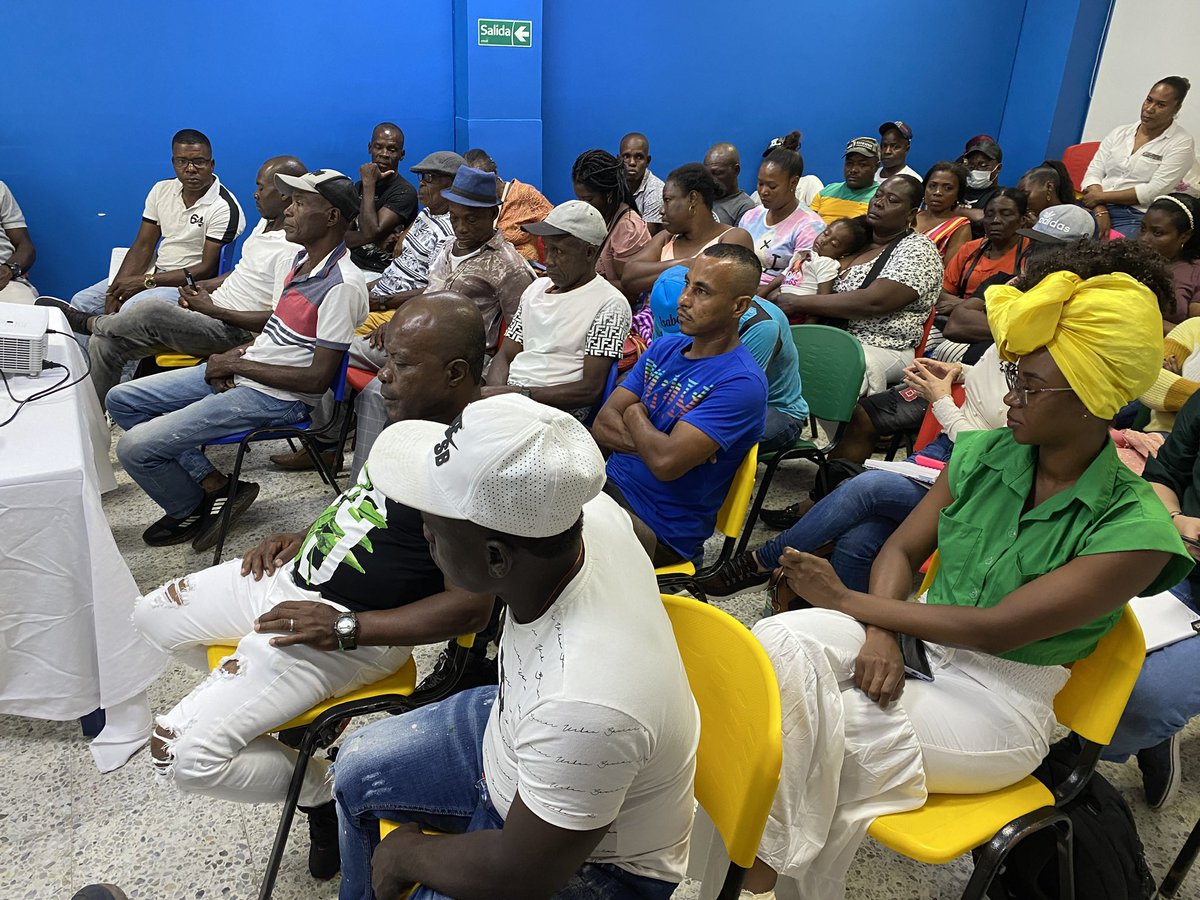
[{"x": 367, "y": 552}]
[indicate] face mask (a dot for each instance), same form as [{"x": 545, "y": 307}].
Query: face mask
[{"x": 978, "y": 178}]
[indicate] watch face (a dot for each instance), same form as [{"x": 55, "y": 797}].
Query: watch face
[{"x": 344, "y": 625}]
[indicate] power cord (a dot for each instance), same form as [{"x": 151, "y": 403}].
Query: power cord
[{"x": 61, "y": 385}]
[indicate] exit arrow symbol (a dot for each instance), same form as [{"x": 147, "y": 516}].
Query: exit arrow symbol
[{"x": 521, "y": 34}]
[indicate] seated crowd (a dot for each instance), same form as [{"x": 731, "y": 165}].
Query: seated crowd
[{"x": 562, "y": 395}]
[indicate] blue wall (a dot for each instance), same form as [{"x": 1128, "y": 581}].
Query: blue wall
[{"x": 102, "y": 93}]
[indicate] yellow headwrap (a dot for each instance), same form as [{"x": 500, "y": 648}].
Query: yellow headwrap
[{"x": 1105, "y": 333}]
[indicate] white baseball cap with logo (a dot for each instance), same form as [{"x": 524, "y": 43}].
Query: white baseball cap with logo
[
  {"x": 1062, "y": 224},
  {"x": 508, "y": 464}
]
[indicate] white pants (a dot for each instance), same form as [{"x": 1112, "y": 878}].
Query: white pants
[
  {"x": 983, "y": 723},
  {"x": 884, "y": 368},
  {"x": 217, "y": 745},
  {"x": 18, "y": 291}
]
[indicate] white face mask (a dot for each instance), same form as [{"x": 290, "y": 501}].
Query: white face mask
[{"x": 978, "y": 178}]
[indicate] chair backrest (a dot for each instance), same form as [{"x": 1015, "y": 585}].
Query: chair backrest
[
  {"x": 1077, "y": 158},
  {"x": 732, "y": 514},
  {"x": 1094, "y": 697},
  {"x": 741, "y": 747},
  {"x": 225, "y": 260},
  {"x": 930, "y": 426},
  {"x": 831, "y": 370},
  {"x": 339, "y": 382},
  {"x": 610, "y": 385},
  {"x": 920, "y": 349}
]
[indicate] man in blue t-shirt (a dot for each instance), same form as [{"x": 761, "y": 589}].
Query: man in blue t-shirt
[{"x": 688, "y": 412}]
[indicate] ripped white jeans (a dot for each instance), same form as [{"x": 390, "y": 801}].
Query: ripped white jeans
[{"x": 214, "y": 735}]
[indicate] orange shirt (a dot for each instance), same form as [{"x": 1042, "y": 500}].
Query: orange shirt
[
  {"x": 984, "y": 268},
  {"x": 523, "y": 204}
]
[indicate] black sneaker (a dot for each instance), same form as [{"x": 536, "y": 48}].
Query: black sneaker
[
  {"x": 783, "y": 519},
  {"x": 247, "y": 492},
  {"x": 169, "y": 530},
  {"x": 1160, "y": 771},
  {"x": 479, "y": 672},
  {"x": 324, "y": 857},
  {"x": 738, "y": 575},
  {"x": 76, "y": 318}
]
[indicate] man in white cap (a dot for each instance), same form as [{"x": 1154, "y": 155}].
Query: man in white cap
[
  {"x": 591, "y": 734},
  {"x": 570, "y": 327},
  {"x": 275, "y": 380}
]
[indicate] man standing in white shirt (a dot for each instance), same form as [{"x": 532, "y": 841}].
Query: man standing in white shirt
[
  {"x": 1137, "y": 164},
  {"x": 276, "y": 380},
  {"x": 189, "y": 219},
  {"x": 647, "y": 187},
  {"x": 587, "y": 747},
  {"x": 571, "y": 326},
  {"x": 214, "y": 316}
]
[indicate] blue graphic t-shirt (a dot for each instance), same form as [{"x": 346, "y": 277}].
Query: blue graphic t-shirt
[{"x": 725, "y": 397}]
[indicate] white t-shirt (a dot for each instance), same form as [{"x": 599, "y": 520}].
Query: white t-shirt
[
  {"x": 214, "y": 217},
  {"x": 321, "y": 309},
  {"x": 556, "y": 331},
  {"x": 10, "y": 217},
  {"x": 255, "y": 281},
  {"x": 815, "y": 270},
  {"x": 907, "y": 170},
  {"x": 594, "y": 721}
]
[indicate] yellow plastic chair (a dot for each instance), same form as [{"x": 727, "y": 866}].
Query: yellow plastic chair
[
  {"x": 730, "y": 519},
  {"x": 176, "y": 360},
  {"x": 950, "y": 825},
  {"x": 392, "y": 693},
  {"x": 741, "y": 734}
]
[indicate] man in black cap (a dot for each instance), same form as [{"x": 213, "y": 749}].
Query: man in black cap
[
  {"x": 276, "y": 380},
  {"x": 849, "y": 198},
  {"x": 983, "y": 158},
  {"x": 895, "y": 139}
]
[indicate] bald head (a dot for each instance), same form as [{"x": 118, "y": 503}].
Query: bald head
[
  {"x": 284, "y": 165},
  {"x": 724, "y": 165},
  {"x": 635, "y": 158},
  {"x": 386, "y": 146},
  {"x": 446, "y": 323},
  {"x": 269, "y": 202}
]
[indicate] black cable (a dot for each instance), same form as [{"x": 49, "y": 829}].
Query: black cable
[{"x": 61, "y": 385}]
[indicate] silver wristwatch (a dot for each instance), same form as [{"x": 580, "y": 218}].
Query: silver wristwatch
[{"x": 345, "y": 628}]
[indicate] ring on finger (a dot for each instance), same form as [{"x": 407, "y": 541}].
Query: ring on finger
[{"x": 291, "y": 624}]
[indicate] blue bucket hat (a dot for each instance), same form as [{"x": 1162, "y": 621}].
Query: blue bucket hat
[{"x": 473, "y": 187}]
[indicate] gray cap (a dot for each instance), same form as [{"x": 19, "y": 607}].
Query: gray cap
[
  {"x": 1062, "y": 224},
  {"x": 440, "y": 162},
  {"x": 576, "y": 218},
  {"x": 863, "y": 146},
  {"x": 335, "y": 187}
]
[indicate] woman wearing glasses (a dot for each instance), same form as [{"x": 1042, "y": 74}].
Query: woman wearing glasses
[{"x": 1043, "y": 536}]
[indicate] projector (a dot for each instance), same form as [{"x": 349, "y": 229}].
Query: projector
[{"x": 22, "y": 338}]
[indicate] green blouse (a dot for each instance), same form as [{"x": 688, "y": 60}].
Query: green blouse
[{"x": 988, "y": 549}]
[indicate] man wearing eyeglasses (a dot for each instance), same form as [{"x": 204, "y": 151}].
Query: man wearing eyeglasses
[{"x": 189, "y": 218}]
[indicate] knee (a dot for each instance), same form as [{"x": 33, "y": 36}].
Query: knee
[
  {"x": 176, "y": 756},
  {"x": 134, "y": 449},
  {"x": 148, "y": 609}
]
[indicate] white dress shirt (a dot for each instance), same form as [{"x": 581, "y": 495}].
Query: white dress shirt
[{"x": 1152, "y": 170}]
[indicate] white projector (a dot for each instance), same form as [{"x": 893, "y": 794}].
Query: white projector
[{"x": 22, "y": 338}]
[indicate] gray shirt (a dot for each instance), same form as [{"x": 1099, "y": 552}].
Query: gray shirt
[
  {"x": 729, "y": 210},
  {"x": 648, "y": 198}
]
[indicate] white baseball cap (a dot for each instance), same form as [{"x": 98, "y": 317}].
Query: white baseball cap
[
  {"x": 508, "y": 463},
  {"x": 574, "y": 217}
]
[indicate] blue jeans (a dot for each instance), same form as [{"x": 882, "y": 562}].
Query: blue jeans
[
  {"x": 91, "y": 301},
  {"x": 779, "y": 431},
  {"x": 859, "y": 515},
  {"x": 1165, "y": 696},
  {"x": 167, "y": 419},
  {"x": 426, "y": 766},
  {"x": 1125, "y": 219}
]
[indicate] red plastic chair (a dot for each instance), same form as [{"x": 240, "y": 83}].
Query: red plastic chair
[
  {"x": 1077, "y": 158},
  {"x": 920, "y": 351},
  {"x": 930, "y": 426},
  {"x": 359, "y": 378}
]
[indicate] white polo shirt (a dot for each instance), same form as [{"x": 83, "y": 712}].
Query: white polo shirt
[
  {"x": 257, "y": 279},
  {"x": 214, "y": 217},
  {"x": 10, "y": 217},
  {"x": 1152, "y": 170}
]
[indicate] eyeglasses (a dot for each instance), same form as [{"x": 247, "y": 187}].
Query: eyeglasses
[
  {"x": 1020, "y": 390},
  {"x": 193, "y": 162},
  {"x": 430, "y": 177}
]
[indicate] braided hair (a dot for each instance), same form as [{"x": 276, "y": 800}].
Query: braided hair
[{"x": 600, "y": 171}]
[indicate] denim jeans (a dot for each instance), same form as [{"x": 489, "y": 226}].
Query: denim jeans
[
  {"x": 1125, "y": 219},
  {"x": 860, "y": 515},
  {"x": 779, "y": 431},
  {"x": 1165, "y": 696},
  {"x": 145, "y": 329},
  {"x": 426, "y": 766},
  {"x": 91, "y": 301},
  {"x": 168, "y": 417}
]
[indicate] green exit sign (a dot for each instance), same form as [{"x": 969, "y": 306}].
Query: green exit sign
[{"x": 505, "y": 33}]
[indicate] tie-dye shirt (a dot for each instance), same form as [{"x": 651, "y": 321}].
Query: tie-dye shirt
[
  {"x": 777, "y": 244},
  {"x": 724, "y": 396}
]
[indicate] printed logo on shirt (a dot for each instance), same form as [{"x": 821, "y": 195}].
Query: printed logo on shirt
[
  {"x": 674, "y": 394},
  {"x": 1157, "y": 157},
  {"x": 197, "y": 220}
]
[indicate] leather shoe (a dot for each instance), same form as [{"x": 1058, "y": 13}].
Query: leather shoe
[{"x": 300, "y": 461}]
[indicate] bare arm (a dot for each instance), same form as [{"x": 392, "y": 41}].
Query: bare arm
[
  {"x": 968, "y": 322},
  {"x": 131, "y": 276},
  {"x": 609, "y": 429},
  {"x": 667, "y": 456},
  {"x": 372, "y": 224},
  {"x": 880, "y": 297},
  {"x": 575, "y": 394},
  {"x": 497, "y": 375},
  {"x": 199, "y": 300},
  {"x": 24, "y": 253},
  {"x": 315, "y": 378},
  {"x": 644, "y": 267}
]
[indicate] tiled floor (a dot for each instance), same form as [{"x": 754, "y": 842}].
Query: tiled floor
[{"x": 62, "y": 824}]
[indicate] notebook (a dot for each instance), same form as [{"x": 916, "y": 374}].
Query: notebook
[{"x": 1165, "y": 619}]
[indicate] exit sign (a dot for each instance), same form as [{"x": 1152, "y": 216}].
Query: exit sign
[{"x": 505, "y": 33}]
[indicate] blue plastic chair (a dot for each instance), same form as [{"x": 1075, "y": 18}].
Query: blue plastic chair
[{"x": 301, "y": 431}]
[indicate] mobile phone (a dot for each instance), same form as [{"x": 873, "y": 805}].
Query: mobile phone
[
  {"x": 191, "y": 282},
  {"x": 538, "y": 267},
  {"x": 1192, "y": 541}
]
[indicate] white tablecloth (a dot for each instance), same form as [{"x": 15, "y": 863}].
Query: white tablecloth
[{"x": 67, "y": 645}]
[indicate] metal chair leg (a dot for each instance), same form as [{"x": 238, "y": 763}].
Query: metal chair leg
[
  {"x": 315, "y": 455},
  {"x": 227, "y": 509},
  {"x": 991, "y": 855},
  {"x": 1183, "y": 863},
  {"x": 756, "y": 505},
  {"x": 288, "y": 815}
]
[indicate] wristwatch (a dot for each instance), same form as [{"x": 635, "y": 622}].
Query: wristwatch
[
  {"x": 150, "y": 282},
  {"x": 345, "y": 628},
  {"x": 16, "y": 268}
]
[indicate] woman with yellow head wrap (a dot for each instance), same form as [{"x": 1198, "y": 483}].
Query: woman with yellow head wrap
[{"x": 1042, "y": 536}]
